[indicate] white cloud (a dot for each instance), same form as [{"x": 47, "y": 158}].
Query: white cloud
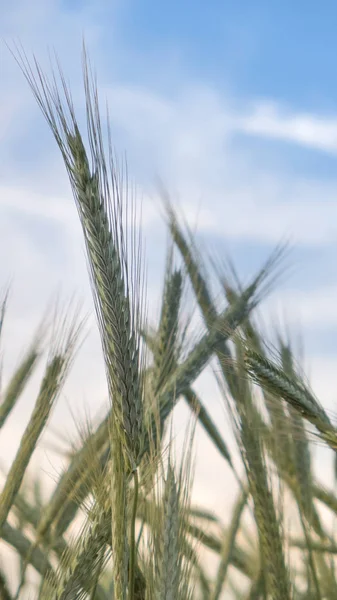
[
  {"x": 192, "y": 150},
  {"x": 270, "y": 120},
  {"x": 35, "y": 204},
  {"x": 313, "y": 309}
]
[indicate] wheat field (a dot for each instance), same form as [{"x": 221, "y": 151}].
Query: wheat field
[{"x": 141, "y": 536}]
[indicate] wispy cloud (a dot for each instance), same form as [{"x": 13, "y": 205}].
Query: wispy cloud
[
  {"x": 270, "y": 120},
  {"x": 316, "y": 309}
]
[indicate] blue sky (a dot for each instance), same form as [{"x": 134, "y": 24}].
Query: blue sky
[
  {"x": 259, "y": 49},
  {"x": 232, "y": 104}
]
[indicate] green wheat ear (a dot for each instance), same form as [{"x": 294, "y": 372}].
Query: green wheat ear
[
  {"x": 102, "y": 198},
  {"x": 273, "y": 379},
  {"x": 59, "y": 361}
]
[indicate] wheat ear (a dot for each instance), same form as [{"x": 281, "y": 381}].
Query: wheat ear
[
  {"x": 50, "y": 388},
  {"x": 273, "y": 379},
  {"x": 18, "y": 382},
  {"x": 169, "y": 562},
  {"x": 268, "y": 523}
]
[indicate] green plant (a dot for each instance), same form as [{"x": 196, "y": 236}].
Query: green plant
[{"x": 141, "y": 537}]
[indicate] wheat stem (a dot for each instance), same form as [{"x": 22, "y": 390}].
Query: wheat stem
[{"x": 133, "y": 545}]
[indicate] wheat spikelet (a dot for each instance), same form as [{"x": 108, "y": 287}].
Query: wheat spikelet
[
  {"x": 106, "y": 524},
  {"x": 18, "y": 382},
  {"x": 301, "y": 452},
  {"x": 120, "y": 342},
  {"x": 50, "y": 388},
  {"x": 198, "y": 358},
  {"x": 81, "y": 563},
  {"x": 277, "y": 578},
  {"x": 193, "y": 266},
  {"x": 99, "y": 194},
  {"x": 65, "y": 338},
  {"x": 169, "y": 558},
  {"x": 165, "y": 351},
  {"x": 67, "y": 495},
  {"x": 87, "y": 564},
  {"x": 279, "y": 437},
  {"x": 273, "y": 379},
  {"x": 276, "y": 572},
  {"x": 286, "y": 439},
  {"x": 201, "y": 287}
]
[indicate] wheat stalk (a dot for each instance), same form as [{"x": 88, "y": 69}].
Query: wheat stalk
[{"x": 228, "y": 545}]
